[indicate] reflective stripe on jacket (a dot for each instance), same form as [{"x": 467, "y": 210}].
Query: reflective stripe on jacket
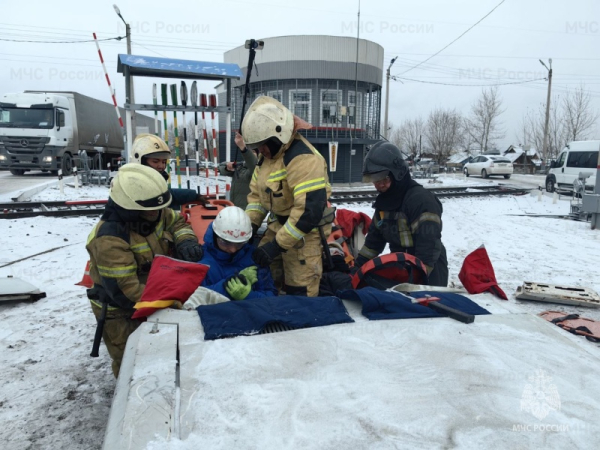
[
  {"x": 294, "y": 185},
  {"x": 414, "y": 228},
  {"x": 120, "y": 259}
]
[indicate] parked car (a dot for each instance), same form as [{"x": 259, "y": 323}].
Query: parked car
[
  {"x": 577, "y": 157},
  {"x": 487, "y": 165}
]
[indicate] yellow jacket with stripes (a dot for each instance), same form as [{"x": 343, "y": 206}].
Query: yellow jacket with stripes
[
  {"x": 294, "y": 187},
  {"x": 121, "y": 255}
]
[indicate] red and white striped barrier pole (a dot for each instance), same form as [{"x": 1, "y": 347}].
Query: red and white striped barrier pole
[
  {"x": 204, "y": 103},
  {"x": 213, "y": 104},
  {"x": 112, "y": 94}
]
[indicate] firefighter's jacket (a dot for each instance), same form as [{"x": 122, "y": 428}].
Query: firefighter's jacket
[
  {"x": 294, "y": 187},
  {"x": 121, "y": 249},
  {"x": 413, "y": 226}
]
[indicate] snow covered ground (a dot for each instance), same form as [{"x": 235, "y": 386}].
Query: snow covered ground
[{"x": 54, "y": 395}]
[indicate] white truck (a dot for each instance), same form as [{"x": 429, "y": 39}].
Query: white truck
[{"x": 46, "y": 130}]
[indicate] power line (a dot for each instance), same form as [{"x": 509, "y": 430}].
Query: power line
[
  {"x": 79, "y": 33},
  {"x": 467, "y": 85},
  {"x": 565, "y": 58},
  {"x": 143, "y": 46},
  {"x": 118, "y": 38},
  {"x": 465, "y": 32}
]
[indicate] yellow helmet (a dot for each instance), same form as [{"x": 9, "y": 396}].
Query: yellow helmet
[
  {"x": 139, "y": 188},
  {"x": 267, "y": 118},
  {"x": 148, "y": 145}
]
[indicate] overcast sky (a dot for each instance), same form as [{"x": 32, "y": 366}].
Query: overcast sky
[{"x": 503, "y": 48}]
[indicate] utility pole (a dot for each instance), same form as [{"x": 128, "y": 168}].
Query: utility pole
[
  {"x": 132, "y": 97},
  {"x": 545, "y": 149},
  {"x": 387, "y": 97}
]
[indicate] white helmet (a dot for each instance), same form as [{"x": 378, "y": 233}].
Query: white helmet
[
  {"x": 146, "y": 145},
  {"x": 267, "y": 118},
  {"x": 233, "y": 225},
  {"x": 139, "y": 188}
]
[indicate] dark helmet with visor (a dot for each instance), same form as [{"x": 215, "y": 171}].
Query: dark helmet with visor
[{"x": 384, "y": 159}]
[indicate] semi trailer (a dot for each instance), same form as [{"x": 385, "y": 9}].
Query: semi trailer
[{"x": 47, "y": 130}]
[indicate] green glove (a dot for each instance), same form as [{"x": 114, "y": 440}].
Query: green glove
[
  {"x": 238, "y": 287},
  {"x": 251, "y": 274}
]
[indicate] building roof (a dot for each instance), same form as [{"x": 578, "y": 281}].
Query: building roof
[
  {"x": 314, "y": 57},
  {"x": 513, "y": 153}
]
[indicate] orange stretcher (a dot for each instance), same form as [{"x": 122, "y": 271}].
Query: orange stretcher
[{"x": 200, "y": 217}]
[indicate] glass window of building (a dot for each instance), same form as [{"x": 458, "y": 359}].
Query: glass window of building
[
  {"x": 330, "y": 101},
  {"x": 277, "y": 95},
  {"x": 354, "y": 110},
  {"x": 300, "y": 103}
]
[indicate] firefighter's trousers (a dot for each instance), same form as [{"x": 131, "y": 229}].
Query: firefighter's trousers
[
  {"x": 117, "y": 328},
  {"x": 298, "y": 270}
]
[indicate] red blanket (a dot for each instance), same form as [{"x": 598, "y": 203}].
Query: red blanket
[
  {"x": 477, "y": 274},
  {"x": 169, "y": 280},
  {"x": 348, "y": 220}
]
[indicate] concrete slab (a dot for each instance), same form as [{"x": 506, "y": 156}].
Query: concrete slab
[
  {"x": 509, "y": 380},
  {"x": 23, "y": 196},
  {"x": 147, "y": 389},
  {"x": 16, "y": 290}
]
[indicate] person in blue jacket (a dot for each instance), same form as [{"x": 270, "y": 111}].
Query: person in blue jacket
[
  {"x": 150, "y": 150},
  {"x": 228, "y": 252}
]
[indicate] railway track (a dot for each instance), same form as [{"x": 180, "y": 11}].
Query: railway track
[
  {"x": 19, "y": 210},
  {"x": 359, "y": 196}
]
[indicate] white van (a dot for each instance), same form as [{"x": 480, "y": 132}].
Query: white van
[{"x": 577, "y": 156}]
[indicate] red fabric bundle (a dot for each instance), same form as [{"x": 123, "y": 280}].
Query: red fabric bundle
[
  {"x": 348, "y": 220},
  {"x": 477, "y": 274},
  {"x": 169, "y": 280}
]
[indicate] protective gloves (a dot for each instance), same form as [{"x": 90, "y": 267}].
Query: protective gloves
[
  {"x": 251, "y": 274},
  {"x": 265, "y": 254},
  {"x": 189, "y": 250},
  {"x": 238, "y": 287}
]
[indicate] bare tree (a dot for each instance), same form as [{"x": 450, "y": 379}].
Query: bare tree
[
  {"x": 443, "y": 132},
  {"x": 532, "y": 128},
  {"x": 531, "y": 131},
  {"x": 484, "y": 122},
  {"x": 468, "y": 143},
  {"x": 557, "y": 129},
  {"x": 410, "y": 135},
  {"x": 578, "y": 115},
  {"x": 394, "y": 135}
]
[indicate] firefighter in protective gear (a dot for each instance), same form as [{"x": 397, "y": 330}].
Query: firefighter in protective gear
[
  {"x": 290, "y": 183},
  {"x": 136, "y": 226},
  {"x": 407, "y": 216},
  {"x": 150, "y": 150}
]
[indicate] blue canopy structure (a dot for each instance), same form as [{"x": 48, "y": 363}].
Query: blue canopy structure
[{"x": 152, "y": 66}]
